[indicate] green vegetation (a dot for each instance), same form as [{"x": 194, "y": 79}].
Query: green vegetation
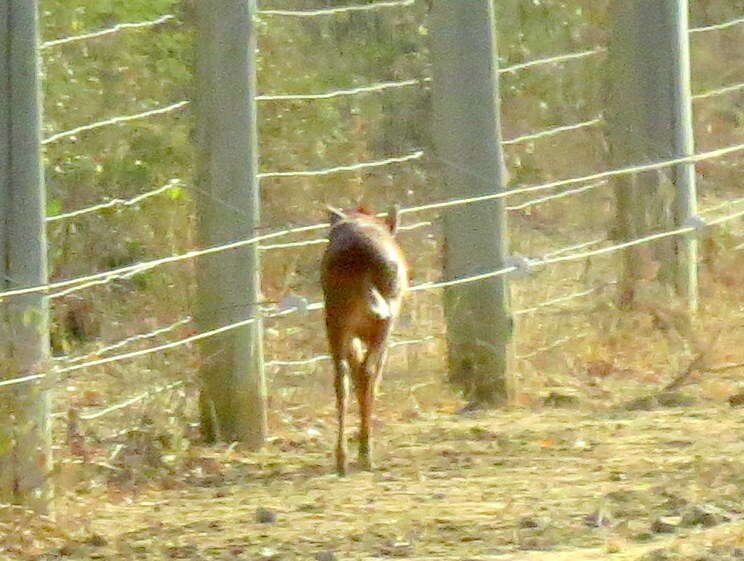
[{"x": 492, "y": 484}]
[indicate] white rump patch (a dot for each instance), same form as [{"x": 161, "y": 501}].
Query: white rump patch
[{"x": 378, "y": 305}]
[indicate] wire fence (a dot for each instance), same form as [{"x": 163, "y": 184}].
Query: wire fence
[
  {"x": 118, "y": 28},
  {"x": 532, "y": 263},
  {"x": 719, "y": 91},
  {"x": 121, "y": 272},
  {"x": 117, "y": 202},
  {"x": 341, "y": 10},
  {"x": 719, "y": 26},
  {"x": 64, "y": 366}
]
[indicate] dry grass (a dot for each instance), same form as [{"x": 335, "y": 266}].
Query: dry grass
[
  {"x": 532, "y": 482},
  {"x": 516, "y": 484},
  {"x": 582, "y": 466}
]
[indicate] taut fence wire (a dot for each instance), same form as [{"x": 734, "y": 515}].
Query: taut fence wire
[{"x": 65, "y": 366}]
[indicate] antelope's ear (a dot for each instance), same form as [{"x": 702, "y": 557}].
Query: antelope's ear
[
  {"x": 393, "y": 218},
  {"x": 334, "y": 215}
]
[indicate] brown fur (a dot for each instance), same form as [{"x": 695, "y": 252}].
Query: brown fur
[{"x": 364, "y": 276}]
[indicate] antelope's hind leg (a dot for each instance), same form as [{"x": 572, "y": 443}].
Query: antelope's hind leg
[
  {"x": 339, "y": 351},
  {"x": 341, "y": 384},
  {"x": 370, "y": 373}
]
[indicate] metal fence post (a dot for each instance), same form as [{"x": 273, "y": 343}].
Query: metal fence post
[
  {"x": 233, "y": 398},
  {"x": 650, "y": 118},
  {"x": 25, "y": 436},
  {"x": 467, "y": 133}
]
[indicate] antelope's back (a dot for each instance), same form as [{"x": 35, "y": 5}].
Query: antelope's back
[{"x": 362, "y": 253}]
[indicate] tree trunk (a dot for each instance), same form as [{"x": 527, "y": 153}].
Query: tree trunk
[
  {"x": 468, "y": 146},
  {"x": 25, "y": 437},
  {"x": 649, "y": 117},
  {"x": 233, "y": 397}
]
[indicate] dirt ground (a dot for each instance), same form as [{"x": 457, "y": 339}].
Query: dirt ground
[{"x": 517, "y": 485}]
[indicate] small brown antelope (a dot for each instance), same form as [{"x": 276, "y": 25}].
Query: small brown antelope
[{"x": 364, "y": 275}]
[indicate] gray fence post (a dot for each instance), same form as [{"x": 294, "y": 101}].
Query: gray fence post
[
  {"x": 467, "y": 134},
  {"x": 684, "y": 145},
  {"x": 25, "y": 437},
  {"x": 233, "y": 398},
  {"x": 650, "y": 118}
]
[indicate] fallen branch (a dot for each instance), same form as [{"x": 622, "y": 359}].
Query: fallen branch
[
  {"x": 695, "y": 366},
  {"x": 725, "y": 367}
]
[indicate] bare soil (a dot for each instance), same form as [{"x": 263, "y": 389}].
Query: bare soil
[{"x": 528, "y": 485}]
